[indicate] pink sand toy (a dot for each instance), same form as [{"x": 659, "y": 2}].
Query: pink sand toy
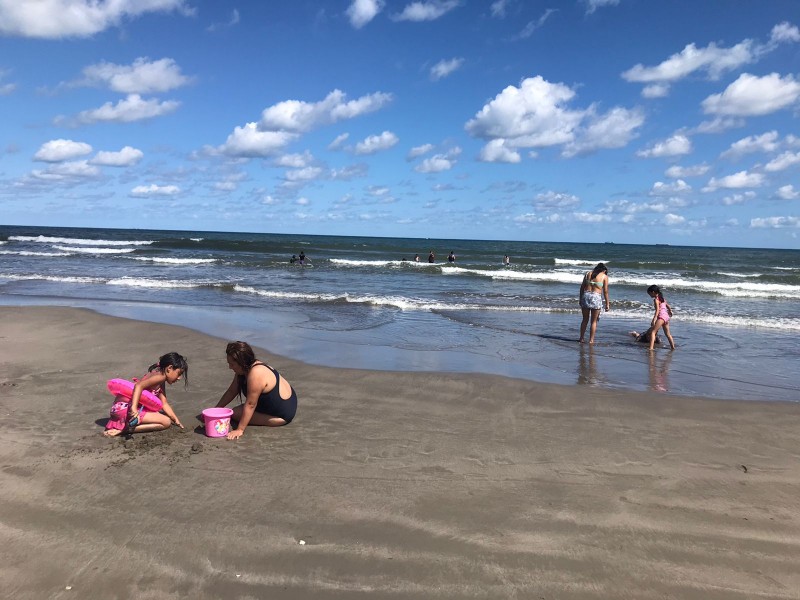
[
  {"x": 218, "y": 421},
  {"x": 124, "y": 388}
]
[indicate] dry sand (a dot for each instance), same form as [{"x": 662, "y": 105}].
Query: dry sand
[{"x": 401, "y": 485}]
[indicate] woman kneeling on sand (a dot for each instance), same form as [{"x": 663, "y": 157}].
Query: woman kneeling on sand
[{"x": 269, "y": 399}]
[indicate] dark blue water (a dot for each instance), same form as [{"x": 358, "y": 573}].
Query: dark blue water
[{"x": 365, "y": 302}]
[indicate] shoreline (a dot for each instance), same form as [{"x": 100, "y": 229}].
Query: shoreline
[
  {"x": 549, "y": 354},
  {"x": 401, "y": 485}
]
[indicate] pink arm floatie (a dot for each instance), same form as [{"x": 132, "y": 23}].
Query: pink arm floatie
[{"x": 123, "y": 387}]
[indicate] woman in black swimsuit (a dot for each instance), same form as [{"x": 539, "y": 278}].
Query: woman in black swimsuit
[{"x": 269, "y": 399}]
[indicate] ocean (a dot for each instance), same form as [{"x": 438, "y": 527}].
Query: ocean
[{"x": 363, "y": 302}]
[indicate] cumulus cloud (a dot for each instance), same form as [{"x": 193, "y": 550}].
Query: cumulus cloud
[
  {"x": 717, "y": 125},
  {"x": 750, "y": 95},
  {"x": 677, "y": 172},
  {"x": 713, "y": 60},
  {"x": 61, "y": 150},
  {"x": 536, "y": 115},
  {"x": 497, "y": 151},
  {"x": 376, "y": 143},
  {"x": 418, "y": 151},
  {"x": 677, "y": 145},
  {"x": 626, "y": 207},
  {"x": 141, "y": 77},
  {"x": 667, "y": 189},
  {"x": 299, "y": 116},
  {"x": 787, "y": 192},
  {"x": 295, "y": 161},
  {"x": 439, "y": 162},
  {"x": 250, "y": 142},
  {"x": 126, "y": 157},
  {"x": 361, "y": 12},
  {"x": 131, "y": 109},
  {"x": 783, "y": 161},
  {"x": 426, "y": 11},
  {"x": 584, "y": 217},
  {"x": 672, "y": 219},
  {"x": 551, "y": 200},
  {"x": 443, "y": 68},
  {"x": 54, "y": 19},
  {"x": 655, "y": 90},
  {"x": 738, "y": 198},
  {"x": 148, "y": 191},
  {"x": 742, "y": 179},
  {"x": 67, "y": 171},
  {"x": 774, "y": 222},
  {"x": 766, "y": 142}
]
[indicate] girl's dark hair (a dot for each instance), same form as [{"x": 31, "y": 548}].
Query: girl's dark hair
[
  {"x": 654, "y": 289},
  {"x": 174, "y": 360},
  {"x": 600, "y": 268},
  {"x": 242, "y": 354}
]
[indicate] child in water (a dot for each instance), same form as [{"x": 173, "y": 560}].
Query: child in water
[
  {"x": 128, "y": 415},
  {"x": 661, "y": 317}
]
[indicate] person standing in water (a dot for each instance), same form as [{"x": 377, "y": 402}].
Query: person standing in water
[{"x": 594, "y": 289}]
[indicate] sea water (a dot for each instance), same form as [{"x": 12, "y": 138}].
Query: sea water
[{"x": 365, "y": 302}]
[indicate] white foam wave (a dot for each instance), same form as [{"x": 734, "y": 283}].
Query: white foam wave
[
  {"x": 153, "y": 283},
  {"x": 783, "y": 324},
  {"x": 197, "y": 239},
  {"x": 739, "y": 275},
  {"x": 578, "y": 262},
  {"x": 54, "y": 278},
  {"x": 738, "y": 289},
  {"x": 554, "y": 276},
  {"x": 78, "y": 241},
  {"x": 29, "y": 253},
  {"x": 376, "y": 263},
  {"x": 94, "y": 250},
  {"x": 175, "y": 261}
]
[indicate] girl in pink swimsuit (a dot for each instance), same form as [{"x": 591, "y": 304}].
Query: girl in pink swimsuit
[
  {"x": 131, "y": 416},
  {"x": 661, "y": 318}
]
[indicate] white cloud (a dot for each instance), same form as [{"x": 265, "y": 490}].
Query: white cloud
[
  {"x": 584, "y": 217},
  {"x": 304, "y": 174},
  {"x": 445, "y": 67},
  {"x": 535, "y": 115},
  {"x": 717, "y": 125},
  {"x": 738, "y": 198},
  {"x": 766, "y": 142},
  {"x": 234, "y": 20},
  {"x": 614, "y": 129},
  {"x": 338, "y": 141},
  {"x": 418, "y": 151},
  {"x": 667, "y": 189},
  {"x": 742, "y": 179},
  {"x": 677, "y": 172},
  {"x": 361, "y": 12},
  {"x": 299, "y": 116},
  {"x": 532, "y": 26},
  {"x": 497, "y": 151},
  {"x": 593, "y": 5},
  {"x": 787, "y": 192},
  {"x": 498, "y": 8},
  {"x": 295, "y": 161},
  {"x": 439, "y": 162},
  {"x": 660, "y": 206},
  {"x": 784, "y": 161},
  {"x": 6, "y": 88},
  {"x": 147, "y": 191},
  {"x": 142, "y": 77},
  {"x": 677, "y": 145},
  {"x": 53, "y": 19},
  {"x": 249, "y": 142},
  {"x": 303, "y": 201},
  {"x": 426, "y": 11},
  {"x": 750, "y": 95},
  {"x": 133, "y": 108},
  {"x": 60, "y": 150},
  {"x": 655, "y": 90},
  {"x": 78, "y": 169},
  {"x": 785, "y": 32},
  {"x": 126, "y": 157},
  {"x": 376, "y": 143},
  {"x": 774, "y": 222},
  {"x": 555, "y": 200},
  {"x": 672, "y": 219}
]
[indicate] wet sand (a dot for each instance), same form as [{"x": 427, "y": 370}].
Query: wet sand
[{"x": 400, "y": 485}]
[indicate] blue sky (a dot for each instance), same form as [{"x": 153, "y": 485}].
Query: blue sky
[{"x": 573, "y": 120}]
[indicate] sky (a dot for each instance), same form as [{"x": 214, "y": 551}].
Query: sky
[{"x": 626, "y": 121}]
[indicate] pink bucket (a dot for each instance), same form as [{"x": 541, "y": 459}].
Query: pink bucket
[{"x": 218, "y": 421}]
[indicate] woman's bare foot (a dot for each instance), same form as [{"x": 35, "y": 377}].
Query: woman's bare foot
[{"x": 112, "y": 432}]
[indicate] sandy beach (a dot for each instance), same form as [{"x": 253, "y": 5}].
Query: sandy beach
[{"x": 386, "y": 485}]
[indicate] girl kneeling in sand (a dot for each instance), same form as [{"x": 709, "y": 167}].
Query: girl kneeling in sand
[
  {"x": 269, "y": 399},
  {"x": 128, "y": 415}
]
